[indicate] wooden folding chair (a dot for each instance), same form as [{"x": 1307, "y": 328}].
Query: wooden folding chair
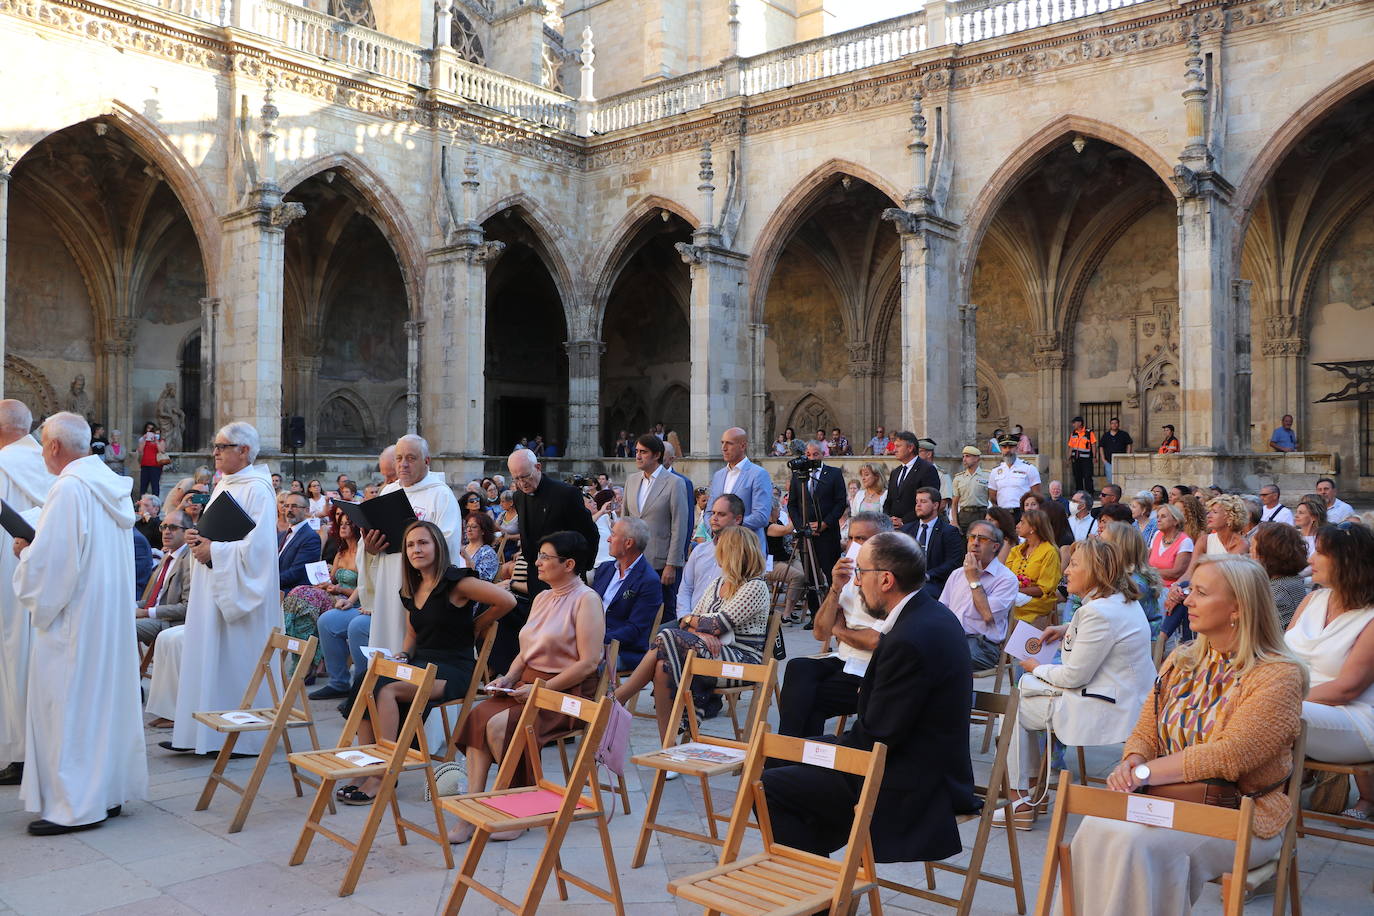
[
  {"x": 567, "y": 803},
  {"x": 290, "y": 709},
  {"x": 733, "y": 695},
  {"x": 1306, "y": 814},
  {"x": 1202, "y": 820},
  {"x": 466, "y": 701},
  {"x": 1002, "y": 671},
  {"x": 782, "y": 879},
  {"x": 664, "y": 761},
  {"x": 562, "y": 739},
  {"x": 633, "y": 705},
  {"x": 387, "y": 759},
  {"x": 145, "y": 657},
  {"x": 996, "y": 794},
  {"x": 1083, "y": 778},
  {"x": 1284, "y": 869}
]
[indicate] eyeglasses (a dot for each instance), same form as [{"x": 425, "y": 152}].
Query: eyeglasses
[
  {"x": 166, "y": 527},
  {"x": 551, "y": 557},
  {"x": 221, "y": 446},
  {"x": 859, "y": 570}
]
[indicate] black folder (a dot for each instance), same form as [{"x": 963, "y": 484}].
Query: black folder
[
  {"x": 224, "y": 520},
  {"x": 391, "y": 513},
  {"x": 14, "y": 523}
]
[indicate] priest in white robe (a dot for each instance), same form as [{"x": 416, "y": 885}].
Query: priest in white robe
[
  {"x": 24, "y": 484},
  {"x": 235, "y": 600},
  {"x": 379, "y": 573},
  {"x": 85, "y": 753}
]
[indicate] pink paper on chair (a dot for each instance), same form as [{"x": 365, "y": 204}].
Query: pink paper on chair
[{"x": 527, "y": 804}]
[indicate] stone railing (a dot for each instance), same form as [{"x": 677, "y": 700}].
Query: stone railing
[
  {"x": 215, "y": 12},
  {"x": 333, "y": 39},
  {"x": 511, "y": 96},
  {"x": 843, "y": 52},
  {"x": 660, "y": 100},
  {"x": 979, "y": 19}
]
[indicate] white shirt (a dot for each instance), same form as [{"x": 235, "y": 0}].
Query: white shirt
[
  {"x": 885, "y": 624},
  {"x": 732, "y": 474},
  {"x": 646, "y": 481},
  {"x": 1012, "y": 482},
  {"x": 1338, "y": 512},
  {"x": 1279, "y": 513},
  {"x": 903, "y": 474},
  {"x": 1082, "y": 527},
  {"x": 699, "y": 570},
  {"x": 617, "y": 580}
]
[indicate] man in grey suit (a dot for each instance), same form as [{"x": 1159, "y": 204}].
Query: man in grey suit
[
  {"x": 749, "y": 481},
  {"x": 163, "y": 603},
  {"x": 655, "y": 495}
]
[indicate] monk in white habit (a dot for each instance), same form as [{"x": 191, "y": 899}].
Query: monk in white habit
[
  {"x": 379, "y": 573},
  {"x": 235, "y": 600},
  {"x": 85, "y": 755},
  {"x": 24, "y": 484}
]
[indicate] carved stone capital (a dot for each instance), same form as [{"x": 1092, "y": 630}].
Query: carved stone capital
[
  {"x": 1284, "y": 346},
  {"x": 414, "y": 329},
  {"x": 1281, "y": 325},
  {"x": 918, "y": 222},
  {"x": 1050, "y": 359},
  {"x": 694, "y": 255},
  {"x": 487, "y": 253},
  {"x": 1201, "y": 182},
  {"x": 286, "y": 213},
  {"x": 1048, "y": 340},
  {"x": 584, "y": 357}
]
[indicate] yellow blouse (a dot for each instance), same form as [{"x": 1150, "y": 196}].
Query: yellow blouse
[{"x": 1042, "y": 568}]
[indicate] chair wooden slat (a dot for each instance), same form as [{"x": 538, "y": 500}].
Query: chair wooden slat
[{"x": 733, "y": 695}]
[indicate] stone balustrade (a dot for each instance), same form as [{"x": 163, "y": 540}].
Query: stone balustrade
[
  {"x": 333, "y": 39},
  {"x": 1295, "y": 473},
  {"x": 979, "y": 19},
  {"x": 511, "y": 96},
  {"x": 843, "y": 52},
  {"x": 659, "y": 100}
]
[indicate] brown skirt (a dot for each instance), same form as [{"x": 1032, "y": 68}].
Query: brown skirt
[{"x": 546, "y": 724}]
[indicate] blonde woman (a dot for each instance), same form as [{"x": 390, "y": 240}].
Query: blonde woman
[
  {"x": 728, "y": 623},
  {"x": 871, "y": 489},
  {"x": 1226, "y": 706},
  {"x": 1035, "y": 560},
  {"x": 1100, "y": 684}
]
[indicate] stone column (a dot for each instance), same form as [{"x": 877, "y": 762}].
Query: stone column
[
  {"x": 414, "y": 329},
  {"x": 452, "y": 352},
  {"x": 1285, "y": 350},
  {"x": 722, "y": 355},
  {"x": 968, "y": 374},
  {"x": 116, "y": 393},
  {"x": 6, "y": 164},
  {"x": 930, "y": 332},
  {"x": 1052, "y": 362},
  {"x": 209, "y": 329},
  {"x": 301, "y": 378},
  {"x": 1211, "y": 332},
  {"x": 584, "y": 398},
  {"x": 758, "y": 341},
  {"x": 866, "y": 369},
  {"x": 249, "y": 330}
]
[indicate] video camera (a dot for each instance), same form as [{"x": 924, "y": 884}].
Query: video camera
[
  {"x": 579, "y": 481},
  {"x": 802, "y": 465}
]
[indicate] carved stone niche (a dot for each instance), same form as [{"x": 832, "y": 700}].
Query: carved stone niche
[{"x": 26, "y": 382}]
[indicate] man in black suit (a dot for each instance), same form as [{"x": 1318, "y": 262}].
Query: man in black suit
[
  {"x": 544, "y": 505},
  {"x": 912, "y": 473},
  {"x": 942, "y": 543},
  {"x": 822, "y": 496},
  {"x": 915, "y": 698}
]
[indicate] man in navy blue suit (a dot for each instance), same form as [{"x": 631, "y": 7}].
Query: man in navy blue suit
[
  {"x": 819, "y": 499},
  {"x": 299, "y": 545},
  {"x": 631, "y": 591},
  {"x": 942, "y": 543}
]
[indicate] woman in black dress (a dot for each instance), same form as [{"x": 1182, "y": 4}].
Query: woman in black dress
[{"x": 440, "y": 630}]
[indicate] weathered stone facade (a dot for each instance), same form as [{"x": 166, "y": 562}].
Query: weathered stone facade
[{"x": 1160, "y": 209}]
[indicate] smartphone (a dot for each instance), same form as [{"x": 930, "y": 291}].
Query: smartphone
[{"x": 200, "y": 499}]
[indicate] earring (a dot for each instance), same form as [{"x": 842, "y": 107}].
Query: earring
[{"x": 1233, "y": 624}]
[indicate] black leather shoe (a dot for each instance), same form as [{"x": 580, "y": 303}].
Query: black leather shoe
[
  {"x": 12, "y": 775},
  {"x": 328, "y": 693},
  {"x": 41, "y": 827},
  {"x": 810, "y": 624},
  {"x": 167, "y": 746}
]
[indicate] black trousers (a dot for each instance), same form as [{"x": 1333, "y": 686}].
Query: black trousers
[
  {"x": 827, "y": 548},
  {"x": 814, "y": 690},
  {"x": 810, "y": 808},
  {"x": 1083, "y": 475}
]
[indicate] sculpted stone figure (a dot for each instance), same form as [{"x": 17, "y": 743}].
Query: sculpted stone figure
[
  {"x": 79, "y": 400},
  {"x": 171, "y": 418}
]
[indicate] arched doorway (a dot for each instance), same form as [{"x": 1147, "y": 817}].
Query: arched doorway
[
  {"x": 103, "y": 282},
  {"x": 345, "y": 305},
  {"x": 1076, "y": 283},
  {"x": 837, "y": 267},
  {"x": 190, "y": 365},
  {"x": 526, "y": 357},
  {"x": 647, "y": 366},
  {"x": 1306, "y": 266}
]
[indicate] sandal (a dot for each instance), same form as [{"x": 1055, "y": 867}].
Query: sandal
[
  {"x": 1022, "y": 811},
  {"x": 1356, "y": 813},
  {"x": 352, "y": 795}
]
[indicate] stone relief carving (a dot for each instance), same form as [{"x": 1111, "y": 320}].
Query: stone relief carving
[
  {"x": 79, "y": 399},
  {"x": 170, "y": 418},
  {"x": 26, "y": 382}
]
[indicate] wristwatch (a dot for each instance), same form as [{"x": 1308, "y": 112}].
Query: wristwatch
[
  {"x": 975, "y": 584},
  {"x": 1142, "y": 774}
]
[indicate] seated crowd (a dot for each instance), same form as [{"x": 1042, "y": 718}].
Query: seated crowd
[{"x": 1198, "y": 633}]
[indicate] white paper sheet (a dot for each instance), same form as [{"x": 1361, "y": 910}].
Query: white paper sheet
[
  {"x": 358, "y": 758},
  {"x": 818, "y": 753},
  {"x": 1026, "y": 642},
  {"x": 243, "y": 718},
  {"x": 1146, "y": 809},
  {"x": 317, "y": 573}
]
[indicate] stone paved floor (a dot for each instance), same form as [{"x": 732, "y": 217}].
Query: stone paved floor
[{"x": 162, "y": 857}]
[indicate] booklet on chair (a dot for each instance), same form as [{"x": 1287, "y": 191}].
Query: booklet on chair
[
  {"x": 224, "y": 520},
  {"x": 391, "y": 513},
  {"x": 527, "y": 804}
]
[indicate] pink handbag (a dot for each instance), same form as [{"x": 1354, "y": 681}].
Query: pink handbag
[{"x": 615, "y": 740}]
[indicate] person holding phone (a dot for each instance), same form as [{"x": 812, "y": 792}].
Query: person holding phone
[{"x": 152, "y": 457}]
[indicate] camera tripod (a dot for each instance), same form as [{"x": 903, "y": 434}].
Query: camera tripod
[{"x": 817, "y": 580}]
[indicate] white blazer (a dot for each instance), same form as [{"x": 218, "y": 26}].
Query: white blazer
[{"x": 1106, "y": 675}]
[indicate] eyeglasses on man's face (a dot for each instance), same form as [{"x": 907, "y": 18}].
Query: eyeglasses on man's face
[
  {"x": 859, "y": 570},
  {"x": 221, "y": 446},
  {"x": 166, "y": 527}
]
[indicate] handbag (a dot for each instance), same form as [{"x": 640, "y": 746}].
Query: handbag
[
  {"x": 1220, "y": 793},
  {"x": 615, "y": 740}
]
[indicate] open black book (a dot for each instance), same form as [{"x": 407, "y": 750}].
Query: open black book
[
  {"x": 391, "y": 513},
  {"x": 224, "y": 520},
  {"x": 14, "y": 523}
]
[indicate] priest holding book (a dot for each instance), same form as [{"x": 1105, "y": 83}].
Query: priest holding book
[
  {"x": 234, "y": 602},
  {"x": 85, "y": 755},
  {"x": 379, "y": 568},
  {"x": 24, "y": 484}
]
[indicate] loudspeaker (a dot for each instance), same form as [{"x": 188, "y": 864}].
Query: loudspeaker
[{"x": 294, "y": 434}]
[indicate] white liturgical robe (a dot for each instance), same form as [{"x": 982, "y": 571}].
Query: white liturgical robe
[
  {"x": 379, "y": 575},
  {"x": 234, "y": 604},
  {"x": 85, "y": 721},
  {"x": 24, "y": 484}
]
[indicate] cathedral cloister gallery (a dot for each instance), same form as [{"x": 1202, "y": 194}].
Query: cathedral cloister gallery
[{"x": 497, "y": 218}]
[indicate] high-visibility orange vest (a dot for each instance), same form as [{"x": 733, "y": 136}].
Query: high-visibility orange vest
[{"x": 1081, "y": 443}]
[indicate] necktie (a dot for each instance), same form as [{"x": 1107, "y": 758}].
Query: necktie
[
  {"x": 901, "y": 476},
  {"x": 922, "y": 539},
  {"x": 161, "y": 577},
  {"x": 811, "y": 482},
  {"x": 281, "y": 539}
]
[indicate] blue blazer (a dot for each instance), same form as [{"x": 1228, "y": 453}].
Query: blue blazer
[
  {"x": 630, "y": 618},
  {"x": 755, "y": 487},
  {"x": 302, "y": 548}
]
